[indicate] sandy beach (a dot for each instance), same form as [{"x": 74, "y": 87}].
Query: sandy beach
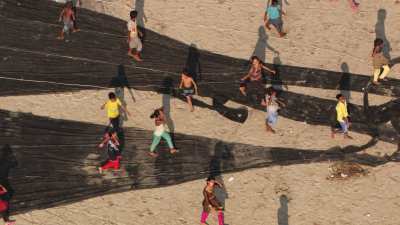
[{"x": 321, "y": 34}]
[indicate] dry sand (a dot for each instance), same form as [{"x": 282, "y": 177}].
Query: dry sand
[{"x": 322, "y": 34}]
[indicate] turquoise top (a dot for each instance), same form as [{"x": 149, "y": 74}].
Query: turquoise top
[{"x": 274, "y": 12}]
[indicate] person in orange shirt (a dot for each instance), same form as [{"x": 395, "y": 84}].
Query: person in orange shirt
[{"x": 113, "y": 105}]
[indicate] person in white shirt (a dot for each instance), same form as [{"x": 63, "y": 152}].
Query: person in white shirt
[{"x": 133, "y": 37}]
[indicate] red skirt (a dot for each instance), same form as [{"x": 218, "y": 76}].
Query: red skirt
[
  {"x": 3, "y": 206},
  {"x": 112, "y": 164}
]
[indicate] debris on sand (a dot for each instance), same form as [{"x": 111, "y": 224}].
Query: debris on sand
[{"x": 344, "y": 170}]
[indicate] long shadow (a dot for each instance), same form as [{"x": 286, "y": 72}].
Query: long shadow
[
  {"x": 345, "y": 82},
  {"x": 50, "y": 149},
  {"x": 91, "y": 65},
  {"x": 193, "y": 64},
  {"x": 380, "y": 31},
  {"x": 141, "y": 18},
  {"x": 283, "y": 211}
]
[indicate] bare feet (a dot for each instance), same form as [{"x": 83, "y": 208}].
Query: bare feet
[
  {"x": 100, "y": 170},
  {"x": 346, "y": 136},
  {"x": 152, "y": 154},
  {"x": 173, "y": 151},
  {"x": 76, "y": 30},
  {"x": 282, "y": 34},
  {"x": 375, "y": 83},
  {"x": 60, "y": 38},
  {"x": 137, "y": 58}
]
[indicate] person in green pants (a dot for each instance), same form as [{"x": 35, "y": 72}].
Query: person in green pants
[{"x": 160, "y": 132}]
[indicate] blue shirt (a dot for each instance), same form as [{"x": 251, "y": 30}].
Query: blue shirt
[{"x": 274, "y": 12}]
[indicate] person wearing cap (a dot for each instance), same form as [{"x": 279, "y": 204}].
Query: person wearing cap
[{"x": 210, "y": 202}]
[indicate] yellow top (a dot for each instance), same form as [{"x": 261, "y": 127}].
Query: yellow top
[
  {"x": 113, "y": 108},
  {"x": 341, "y": 111}
]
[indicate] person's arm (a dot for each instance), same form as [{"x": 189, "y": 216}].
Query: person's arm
[
  {"x": 103, "y": 106},
  {"x": 263, "y": 102},
  {"x": 61, "y": 15},
  {"x": 181, "y": 84},
  {"x": 73, "y": 15},
  {"x": 105, "y": 139},
  {"x": 265, "y": 17},
  {"x": 3, "y": 188},
  {"x": 115, "y": 138},
  {"x": 195, "y": 87},
  {"x": 281, "y": 103},
  {"x": 268, "y": 69},
  {"x": 247, "y": 76},
  {"x": 129, "y": 31},
  {"x": 79, "y": 3}
]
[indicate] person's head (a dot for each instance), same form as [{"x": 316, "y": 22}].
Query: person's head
[
  {"x": 274, "y": 2},
  {"x": 112, "y": 96},
  {"x": 185, "y": 72},
  {"x": 340, "y": 98},
  {"x": 210, "y": 181},
  {"x": 378, "y": 46},
  {"x": 133, "y": 14},
  {"x": 255, "y": 61},
  {"x": 68, "y": 5},
  {"x": 271, "y": 91},
  {"x": 155, "y": 114}
]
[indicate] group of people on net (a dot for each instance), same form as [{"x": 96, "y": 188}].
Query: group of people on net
[{"x": 253, "y": 80}]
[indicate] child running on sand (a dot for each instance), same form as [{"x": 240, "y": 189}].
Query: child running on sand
[
  {"x": 113, "y": 105},
  {"x": 273, "y": 15},
  {"x": 133, "y": 37},
  {"x": 254, "y": 76},
  {"x": 160, "y": 132},
  {"x": 380, "y": 62},
  {"x": 114, "y": 154},
  {"x": 210, "y": 202},
  {"x": 189, "y": 88},
  {"x": 342, "y": 117},
  {"x": 272, "y": 105},
  {"x": 67, "y": 16},
  {"x": 353, "y": 4},
  {"x": 4, "y": 206}
]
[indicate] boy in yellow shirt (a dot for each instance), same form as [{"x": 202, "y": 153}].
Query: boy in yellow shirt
[
  {"x": 112, "y": 106},
  {"x": 342, "y": 116}
]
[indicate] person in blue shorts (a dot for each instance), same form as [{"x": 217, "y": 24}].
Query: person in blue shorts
[
  {"x": 273, "y": 15},
  {"x": 272, "y": 105}
]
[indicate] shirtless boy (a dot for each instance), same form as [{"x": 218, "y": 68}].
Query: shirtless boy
[
  {"x": 189, "y": 88},
  {"x": 67, "y": 15}
]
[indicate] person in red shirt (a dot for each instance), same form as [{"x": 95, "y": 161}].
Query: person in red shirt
[
  {"x": 67, "y": 16},
  {"x": 4, "y": 210}
]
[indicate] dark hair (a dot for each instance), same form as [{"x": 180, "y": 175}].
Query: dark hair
[
  {"x": 111, "y": 95},
  {"x": 210, "y": 178},
  {"x": 274, "y": 2},
  {"x": 133, "y": 14},
  {"x": 270, "y": 90},
  {"x": 339, "y": 96},
  {"x": 68, "y": 4},
  {"x": 155, "y": 114},
  {"x": 377, "y": 43},
  {"x": 255, "y": 57},
  {"x": 185, "y": 71}
]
